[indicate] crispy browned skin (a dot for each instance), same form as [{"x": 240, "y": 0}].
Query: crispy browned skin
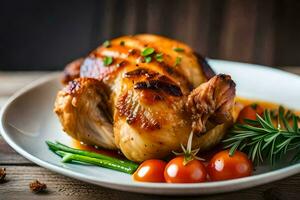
[
  {"x": 154, "y": 106},
  {"x": 211, "y": 101}
]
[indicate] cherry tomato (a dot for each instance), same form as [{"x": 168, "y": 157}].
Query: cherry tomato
[
  {"x": 249, "y": 112},
  {"x": 223, "y": 166},
  {"x": 150, "y": 171},
  {"x": 193, "y": 172}
]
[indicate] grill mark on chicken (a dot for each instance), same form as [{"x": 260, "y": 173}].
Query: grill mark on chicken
[
  {"x": 140, "y": 72},
  {"x": 135, "y": 114},
  {"x": 173, "y": 72},
  {"x": 159, "y": 85},
  {"x": 154, "y": 82}
]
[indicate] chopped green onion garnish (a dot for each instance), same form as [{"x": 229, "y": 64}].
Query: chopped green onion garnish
[
  {"x": 148, "y": 59},
  {"x": 159, "y": 57},
  {"x": 147, "y": 52},
  {"x": 178, "y": 61},
  {"x": 178, "y": 49},
  {"x": 106, "y": 44},
  {"x": 107, "y": 60}
]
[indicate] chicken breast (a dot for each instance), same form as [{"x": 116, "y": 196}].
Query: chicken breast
[{"x": 155, "y": 101}]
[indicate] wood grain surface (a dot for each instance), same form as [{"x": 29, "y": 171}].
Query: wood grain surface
[{"x": 20, "y": 171}]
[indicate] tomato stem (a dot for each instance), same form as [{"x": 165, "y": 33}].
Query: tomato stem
[{"x": 188, "y": 153}]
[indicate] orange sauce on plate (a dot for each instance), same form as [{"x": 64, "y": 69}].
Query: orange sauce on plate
[
  {"x": 264, "y": 104},
  {"x": 79, "y": 145},
  {"x": 241, "y": 102}
]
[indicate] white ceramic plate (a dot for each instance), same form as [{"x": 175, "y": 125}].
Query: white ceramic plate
[{"x": 27, "y": 120}]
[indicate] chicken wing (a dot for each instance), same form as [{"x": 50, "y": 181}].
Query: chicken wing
[{"x": 82, "y": 110}]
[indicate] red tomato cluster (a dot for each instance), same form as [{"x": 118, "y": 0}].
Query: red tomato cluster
[{"x": 221, "y": 167}]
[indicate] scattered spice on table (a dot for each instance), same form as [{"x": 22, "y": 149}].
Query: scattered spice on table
[
  {"x": 2, "y": 174},
  {"x": 37, "y": 186}
]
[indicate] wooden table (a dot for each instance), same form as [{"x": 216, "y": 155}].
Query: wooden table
[{"x": 20, "y": 171}]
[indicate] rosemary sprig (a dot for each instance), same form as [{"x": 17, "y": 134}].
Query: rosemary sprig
[{"x": 266, "y": 137}]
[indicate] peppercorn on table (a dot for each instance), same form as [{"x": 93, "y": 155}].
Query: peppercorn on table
[{"x": 20, "y": 172}]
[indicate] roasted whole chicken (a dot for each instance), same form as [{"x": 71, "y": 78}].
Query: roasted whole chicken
[{"x": 144, "y": 95}]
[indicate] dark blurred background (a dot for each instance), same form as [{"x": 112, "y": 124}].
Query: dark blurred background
[{"x": 45, "y": 35}]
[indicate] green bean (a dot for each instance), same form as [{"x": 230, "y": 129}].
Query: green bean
[
  {"x": 69, "y": 157},
  {"x": 61, "y": 147}
]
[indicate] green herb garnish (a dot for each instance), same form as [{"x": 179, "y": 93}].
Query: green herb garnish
[
  {"x": 178, "y": 49},
  {"x": 177, "y": 61},
  {"x": 159, "y": 57},
  {"x": 107, "y": 60},
  {"x": 148, "y": 59},
  {"x": 266, "y": 137},
  {"x": 147, "y": 52},
  {"x": 106, "y": 43}
]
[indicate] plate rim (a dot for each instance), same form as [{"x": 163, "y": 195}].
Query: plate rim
[{"x": 160, "y": 188}]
